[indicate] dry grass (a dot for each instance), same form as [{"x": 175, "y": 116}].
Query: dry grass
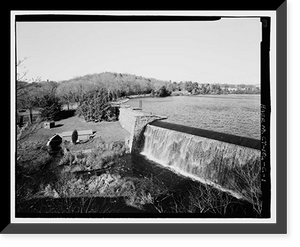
[
  {"x": 102, "y": 156},
  {"x": 137, "y": 192},
  {"x": 147, "y": 191},
  {"x": 103, "y": 186},
  {"x": 250, "y": 185},
  {"x": 206, "y": 199}
]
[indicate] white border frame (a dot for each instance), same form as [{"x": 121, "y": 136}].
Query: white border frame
[{"x": 271, "y": 14}]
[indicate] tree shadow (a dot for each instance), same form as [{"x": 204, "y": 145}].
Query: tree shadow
[
  {"x": 66, "y": 114},
  {"x": 57, "y": 126}
]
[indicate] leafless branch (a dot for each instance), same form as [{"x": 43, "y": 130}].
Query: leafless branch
[
  {"x": 20, "y": 77},
  {"x": 21, "y": 61}
]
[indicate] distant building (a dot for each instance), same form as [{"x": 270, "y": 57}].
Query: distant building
[{"x": 232, "y": 89}]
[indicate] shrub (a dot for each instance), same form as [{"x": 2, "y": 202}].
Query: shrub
[
  {"x": 74, "y": 136},
  {"x": 105, "y": 155},
  {"x": 206, "y": 199},
  {"x": 111, "y": 114}
]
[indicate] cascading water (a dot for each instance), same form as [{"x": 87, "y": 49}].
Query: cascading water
[{"x": 227, "y": 166}]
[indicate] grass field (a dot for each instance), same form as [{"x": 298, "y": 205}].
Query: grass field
[
  {"x": 231, "y": 114},
  {"x": 108, "y": 131}
]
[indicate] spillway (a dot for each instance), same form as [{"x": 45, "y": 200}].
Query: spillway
[{"x": 228, "y": 162}]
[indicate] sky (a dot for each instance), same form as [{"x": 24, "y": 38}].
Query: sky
[{"x": 224, "y": 51}]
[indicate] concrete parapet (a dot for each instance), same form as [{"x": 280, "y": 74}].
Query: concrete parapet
[{"x": 134, "y": 120}]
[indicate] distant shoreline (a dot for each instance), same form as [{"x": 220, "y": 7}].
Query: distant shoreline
[{"x": 185, "y": 94}]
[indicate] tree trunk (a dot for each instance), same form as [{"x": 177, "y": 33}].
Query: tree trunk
[{"x": 30, "y": 115}]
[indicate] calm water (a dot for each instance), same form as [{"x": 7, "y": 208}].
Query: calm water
[{"x": 232, "y": 114}]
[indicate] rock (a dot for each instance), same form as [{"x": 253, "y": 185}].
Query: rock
[
  {"x": 49, "y": 192},
  {"x": 54, "y": 142},
  {"x": 55, "y": 194},
  {"x": 76, "y": 168}
]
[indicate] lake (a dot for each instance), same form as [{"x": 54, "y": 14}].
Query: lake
[{"x": 231, "y": 114}]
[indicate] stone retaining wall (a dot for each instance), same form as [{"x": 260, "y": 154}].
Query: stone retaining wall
[
  {"x": 127, "y": 119},
  {"x": 134, "y": 120}
]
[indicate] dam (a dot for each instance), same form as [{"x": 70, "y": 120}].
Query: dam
[{"x": 228, "y": 162}]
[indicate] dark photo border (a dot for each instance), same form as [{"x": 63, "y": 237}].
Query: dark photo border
[{"x": 281, "y": 144}]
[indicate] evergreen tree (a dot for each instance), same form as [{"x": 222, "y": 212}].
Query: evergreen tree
[
  {"x": 163, "y": 92},
  {"x": 95, "y": 106}
]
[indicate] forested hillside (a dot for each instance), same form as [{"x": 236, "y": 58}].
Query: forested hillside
[{"x": 117, "y": 85}]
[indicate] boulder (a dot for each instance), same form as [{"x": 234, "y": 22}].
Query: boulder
[{"x": 54, "y": 142}]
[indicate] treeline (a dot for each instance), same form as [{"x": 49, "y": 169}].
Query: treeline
[
  {"x": 120, "y": 85},
  {"x": 49, "y": 96},
  {"x": 40, "y": 96},
  {"x": 196, "y": 88}
]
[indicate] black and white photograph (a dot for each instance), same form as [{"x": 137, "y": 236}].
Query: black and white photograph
[{"x": 132, "y": 117}]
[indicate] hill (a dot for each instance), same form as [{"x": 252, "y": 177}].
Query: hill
[{"x": 117, "y": 84}]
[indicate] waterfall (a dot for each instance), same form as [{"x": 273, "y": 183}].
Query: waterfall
[{"x": 227, "y": 166}]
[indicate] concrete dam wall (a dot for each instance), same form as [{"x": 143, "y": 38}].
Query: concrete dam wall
[
  {"x": 229, "y": 163},
  {"x": 134, "y": 120}
]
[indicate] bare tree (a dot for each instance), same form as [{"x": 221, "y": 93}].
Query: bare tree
[
  {"x": 20, "y": 65},
  {"x": 25, "y": 88}
]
